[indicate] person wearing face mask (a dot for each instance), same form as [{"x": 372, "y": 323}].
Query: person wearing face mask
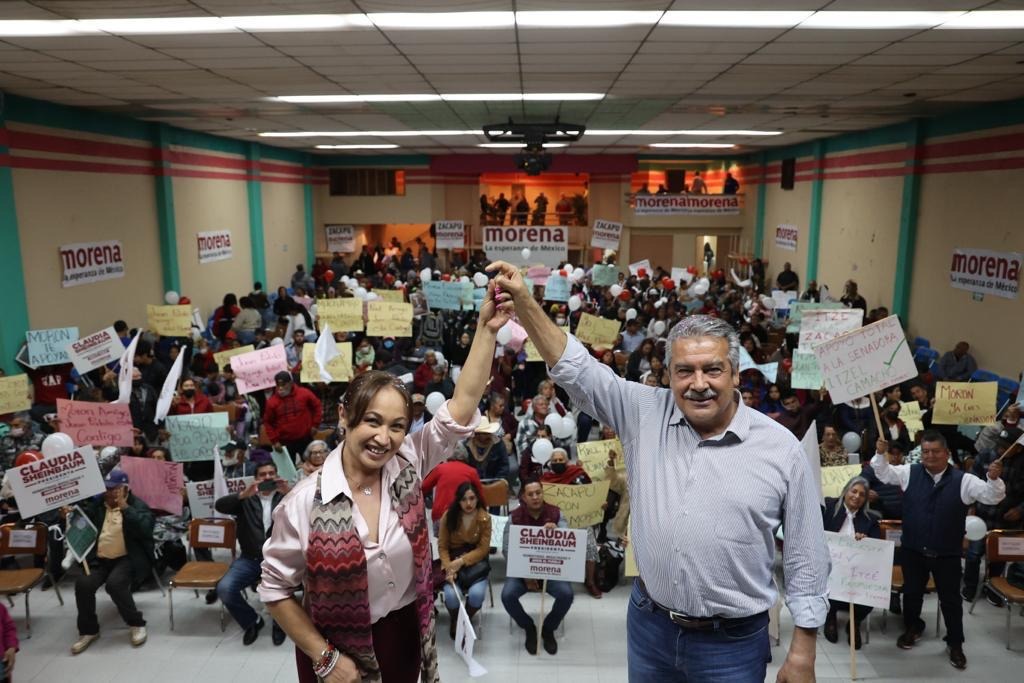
[
  {"x": 19, "y": 437},
  {"x": 355, "y": 537},
  {"x": 849, "y": 514},
  {"x": 292, "y": 415},
  {"x": 990, "y": 434},
  {"x": 142, "y": 405},
  {"x": 364, "y": 355},
  {"x": 560, "y": 471},
  {"x": 189, "y": 401}
]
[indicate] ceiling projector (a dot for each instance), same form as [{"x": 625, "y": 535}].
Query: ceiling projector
[{"x": 533, "y": 137}]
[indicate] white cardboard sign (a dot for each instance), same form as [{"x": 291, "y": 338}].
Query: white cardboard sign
[
  {"x": 606, "y": 234},
  {"x": 56, "y": 481},
  {"x": 821, "y": 325},
  {"x": 450, "y": 234},
  {"x": 539, "y": 553},
  {"x": 99, "y": 348},
  {"x": 868, "y": 359},
  {"x": 861, "y": 570},
  {"x": 210, "y": 533}
]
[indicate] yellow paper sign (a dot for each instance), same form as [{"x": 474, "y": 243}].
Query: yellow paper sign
[
  {"x": 593, "y": 455},
  {"x": 597, "y": 331},
  {"x": 169, "y": 321},
  {"x": 631, "y": 568},
  {"x": 14, "y": 394},
  {"x": 581, "y": 504},
  {"x": 221, "y": 358},
  {"x": 532, "y": 354},
  {"x": 343, "y": 315},
  {"x": 395, "y": 295},
  {"x": 389, "y": 319},
  {"x": 340, "y": 366},
  {"x": 833, "y": 479},
  {"x": 965, "y": 403},
  {"x": 910, "y": 413}
]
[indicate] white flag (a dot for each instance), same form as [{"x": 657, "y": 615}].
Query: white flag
[
  {"x": 326, "y": 351},
  {"x": 465, "y": 637},
  {"x": 810, "y": 446},
  {"x": 124, "y": 378},
  {"x": 220, "y": 484},
  {"x": 163, "y": 404}
]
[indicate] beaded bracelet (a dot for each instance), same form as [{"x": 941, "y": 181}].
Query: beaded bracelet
[
  {"x": 324, "y": 668},
  {"x": 325, "y": 658}
]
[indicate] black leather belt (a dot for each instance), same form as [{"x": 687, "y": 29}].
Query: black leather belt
[{"x": 697, "y": 623}]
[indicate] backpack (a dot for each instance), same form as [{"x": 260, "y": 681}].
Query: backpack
[{"x": 609, "y": 561}]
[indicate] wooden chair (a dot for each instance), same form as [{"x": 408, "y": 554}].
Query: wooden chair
[
  {"x": 1003, "y": 546},
  {"x": 230, "y": 408},
  {"x": 196, "y": 575},
  {"x": 495, "y": 494},
  {"x": 28, "y": 539},
  {"x": 892, "y": 530},
  {"x": 322, "y": 435}
]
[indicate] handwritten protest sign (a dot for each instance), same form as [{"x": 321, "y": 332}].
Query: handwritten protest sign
[
  {"x": 593, "y": 455},
  {"x": 861, "y": 570},
  {"x": 98, "y": 349},
  {"x": 222, "y": 358},
  {"x": 965, "y": 403},
  {"x": 343, "y": 315},
  {"x": 159, "y": 484},
  {"x": 169, "y": 321},
  {"x": 538, "y": 553},
  {"x": 396, "y": 295},
  {"x": 49, "y": 347},
  {"x": 56, "y": 481},
  {"x": 340, "y": 366},
  {"x": 389, "y": 319},
  {"x": 782, "y": 299},
  {"x": 865, "y": 360},
  {"x": 201, "y": 496},
  {"x": 597, "y": 331},
  {"x": 645, "y": 265},
  {"x": 14, "y": 394},
  {"x": 537, "y": 273},
  {"x": 193, "y": 437},
  {"x": 532, "y": 354},
  {"x": 821, "y": 325},
  {"x": 98, "y": 424},
  {"x": 806, "y": 374},
  {"x": 581, "y": 504},
  {"x": 797, "y": 308},
  {"x": 449, "y": 296},
  {"x": 604, "y": 276},
  {"x": 556, "y": 288},
  {"x": 285, "y": 465},
  {"x": 769, "y": 370},
  {"x": 833, "y": 479},
  {"x": 912, "y": 416},
  {"x": 255, "y": 370}
]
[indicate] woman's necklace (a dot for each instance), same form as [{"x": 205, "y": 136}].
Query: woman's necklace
[{"x": 367, "y": 489}]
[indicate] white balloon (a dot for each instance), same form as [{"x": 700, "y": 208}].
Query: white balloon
[
  {"x": 975, "y": 528},
  {"x": 574, "y": 303},
  {"x": 526, "y": 253},
  {"x": 434, "y": 402},
  {"x": 399, "y": 284},
  {"x": 504, "y": 335},
  {"x": 541, "y": 451},
  {"x": 371, "y": 296},
  {"x": 579, "y": 273},
  {"x": 464, "y": 278},
  {"x": 57, "y": 443},
  {"x": 630, "y": 314},
  {"x": 615, "y": 290},
  {"x": 439, "y": 357},
  {"x": 568, "y": 426},
  {"x": 425, "y": 274},
  {"x": 659, "y": 327},
  {"x": 554, "y": 422},
  {"x": 276, "y": 341},
  {"x": 568, "y": 268},
  {"x": 361, "y": 292},
  {"x": 480, "y": 280},
  {"x": 851, "y": 442},
  {"x": 700, "y": 289},
  {"x": 172, "y": 298}
]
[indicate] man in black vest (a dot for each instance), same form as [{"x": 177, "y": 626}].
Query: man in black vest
[
  {"x": 935, "y": 501},
  {"x": 252, "y": 509}
]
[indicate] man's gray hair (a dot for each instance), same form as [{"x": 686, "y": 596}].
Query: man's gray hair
[{"x": 705, "y": 326}]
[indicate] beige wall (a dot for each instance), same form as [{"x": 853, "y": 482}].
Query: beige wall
[
  {"x": 792, "y": 207},
  {"x": 63, "y": 207},
  {"x": 417, "y": 205},
  {"x": 284, "y": 231},
  {"x": 202, "y": 205},
  {"x": 975, "y": 210}
]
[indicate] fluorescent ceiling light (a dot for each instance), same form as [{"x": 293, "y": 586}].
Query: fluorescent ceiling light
[
  {"x": 597, "y": 19},
  {"x": 355, "y": 99},
  {"x": 519, "y": 145},
  {"x": 695, "y": 145},
  {"x": 170, "y": 25},
  {"x": 366, "y": 133},
  {"x": 734, "y": 18},
  {"x": 442, "y": 20},
  {"x": 301, "y": 22},
  {"x": 457, "y": 97},
  {"x": 356, "y": 146},
  {"x": 16, "y": 28},
  {"x": 1011, "y": 19},
  {"x": 665, "y": 133},
  {"x": 879, "y": 20}
]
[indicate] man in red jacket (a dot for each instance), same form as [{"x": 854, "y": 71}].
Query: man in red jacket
[
  {"x": 292, "y": 415},
  {"x": 448, "y": 477},
  {"x": 189, "y": 401}
]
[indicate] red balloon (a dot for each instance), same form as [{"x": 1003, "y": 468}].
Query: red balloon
[
  {"x": 25, "y": 457},
  {"x": 787, "y": 364},
  {"x": 670, "y": 285},
  {"x": 642, "y": 272},
  {"x": 446, "y": 277},
  {"x": 389, "y": 279},
  {"x": 563, "y": 273},
  {"x": 624, "y": 295},
  {"x": 691, "y": 270},
  {"x": 184, "y": 301},
  {"x": 329, "y": 276}
]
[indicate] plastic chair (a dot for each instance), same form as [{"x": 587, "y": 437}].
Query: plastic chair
[
  {"x": 196, "y": 575},
  {"x": 984, "y": 376},
  {"x": 924, "y": 354},
  {"x": 1003, "y": 546},
  {"x": 29, "y": 539},
  {"x": 921, "y": 342}
]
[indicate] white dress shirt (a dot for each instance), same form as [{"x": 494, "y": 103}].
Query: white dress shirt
[{"x": 972, "y": 489}]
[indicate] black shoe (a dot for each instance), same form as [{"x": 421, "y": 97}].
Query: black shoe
[
  {"x": 907, "y": 640},
  {"x": 211, "y": 596},
  {"x": 831, "y": 632},
  {"x": 994, "y": 599},
  {"x": 894, "y": 604},
  {"x": 550, "y": 644},
  {"x": 531, "y": 639},
  {"x": 856, "y": 637},
  {"x": 957, "y": 657},
  {"x": 967, "y": 594},
  {"x": 277, "y": 634},
  {"x": 250, "y": 633}
]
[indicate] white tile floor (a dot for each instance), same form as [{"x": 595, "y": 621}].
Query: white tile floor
[{"x": 592, "y": 649}]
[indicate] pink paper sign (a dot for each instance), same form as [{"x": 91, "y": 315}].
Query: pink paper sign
[
  {"x": 255, "y": 370},
  {"x": 96, "y": 424},
  {"x": 159, "y": 484}
]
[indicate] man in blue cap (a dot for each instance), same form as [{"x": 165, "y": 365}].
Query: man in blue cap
[{"x": 122, "y": 558}]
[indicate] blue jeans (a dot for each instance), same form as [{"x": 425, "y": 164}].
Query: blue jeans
[
  {"x": 659, "y": 651},
  {"x": 474, "y": 596},
  {"x": 515, "y": 588},
  {"x": 243, "y": 573}
]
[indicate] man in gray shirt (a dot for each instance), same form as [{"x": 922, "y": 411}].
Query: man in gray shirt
[{"x": 710, "y": 482}]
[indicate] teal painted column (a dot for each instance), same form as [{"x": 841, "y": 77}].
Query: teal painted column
[
  {"x": 814, "y": 228},
  {"x": 12, "y": 276},
  {"x": 167, "y": 229},
  {"x": 254, "y": 191},
  {"x": 762, "y": 194},
  {"x": 908, "y": 223},
  {"x": 307, "y": 200}
]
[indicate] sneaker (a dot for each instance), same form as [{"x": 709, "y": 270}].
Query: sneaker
[
  {"x": 550, "y": 644},
  {"x": 211, "y": 596},
  {"x": 531, "y": 639},
  {"x": 957, "y": 657},
  {"x": 994, "y": 599},
  {"x": 907, "y": 640},
  {"x": 138, "y": 635},
  {"x": 249, "y": 637},
  {"x": 83, "y": 643}
]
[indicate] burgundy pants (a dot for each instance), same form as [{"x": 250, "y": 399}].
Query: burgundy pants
[{"x": 396, "y": 642}]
